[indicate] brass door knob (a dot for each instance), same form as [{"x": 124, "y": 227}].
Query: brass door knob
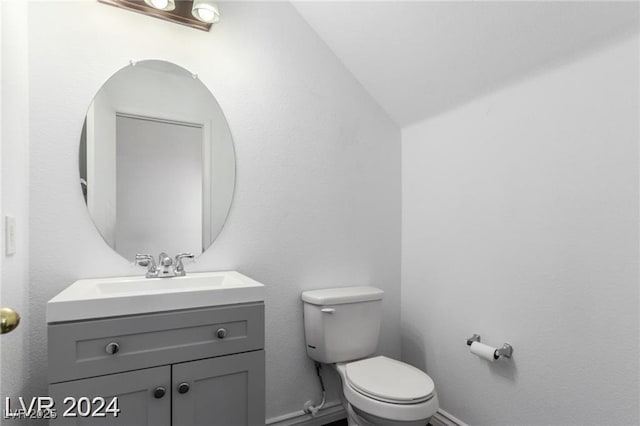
[{"x": 9, "y": 320}]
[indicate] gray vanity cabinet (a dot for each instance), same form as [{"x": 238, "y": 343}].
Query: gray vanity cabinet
[
  {"x": 237, "y": 381},
  {"x": 196, "y": 367},
  {"x": 135, "y": 392}
]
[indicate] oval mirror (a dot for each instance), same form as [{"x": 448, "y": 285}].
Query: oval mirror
[{"x": 157, "y": 164}]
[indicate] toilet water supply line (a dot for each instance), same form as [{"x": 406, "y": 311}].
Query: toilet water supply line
[{"x": 309, "y": 408}]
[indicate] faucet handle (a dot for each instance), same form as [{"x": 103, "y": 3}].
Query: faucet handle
[
  {"x": 179, "y": 265},
  {"x": 148, "y": 261},
  {"x": 143, "y": 259}
]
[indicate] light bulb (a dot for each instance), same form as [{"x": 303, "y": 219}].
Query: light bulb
[
  {"x": 161, "y": 4},
  {"x": 205, "y": 11},
  {"x": 205, "y": 14}
]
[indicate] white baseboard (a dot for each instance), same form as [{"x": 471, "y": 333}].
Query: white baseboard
[
  {"x": 335, "y": 412},
  {"x": 330, "y": 413},
  {"x": 442, "y": 418}
]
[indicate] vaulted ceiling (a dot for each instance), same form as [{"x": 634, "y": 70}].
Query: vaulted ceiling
[{"x": 418, "y": 59}]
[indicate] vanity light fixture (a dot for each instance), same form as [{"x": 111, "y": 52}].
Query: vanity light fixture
[
  {"x": 200, "y": 14},
  {"x": 161, "y": 4},
  {"x": 206, "y": 11}
]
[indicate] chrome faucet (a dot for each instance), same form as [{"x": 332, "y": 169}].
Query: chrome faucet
[
  {"x": 179, "y": 266},
  {"x": 166, "y": 266},
  {"x": 147, "y": 260}
]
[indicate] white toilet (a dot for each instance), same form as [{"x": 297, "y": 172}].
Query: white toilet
[{"x": 341, "y": 328}]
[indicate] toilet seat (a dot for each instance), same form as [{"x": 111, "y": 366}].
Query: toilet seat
[
  {"x": 388, "y": 380},
  {"x": 397, "y": 410}
]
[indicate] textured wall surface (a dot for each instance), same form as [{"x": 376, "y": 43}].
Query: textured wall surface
[
  {"x": 520, "y": 223},
  {"x": 317, "y": 200},
  {"x": 15, "y": 193}
]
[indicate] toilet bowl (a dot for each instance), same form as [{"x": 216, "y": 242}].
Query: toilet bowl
[
  {"x": 342, "y": 326},
  {"x": 383, "y": 391}
]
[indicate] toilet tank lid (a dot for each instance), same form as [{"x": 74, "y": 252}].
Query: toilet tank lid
[{"x": 339, "y": 295}]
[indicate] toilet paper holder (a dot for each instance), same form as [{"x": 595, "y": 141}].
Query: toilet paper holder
[{"x": 506, "y": 350}]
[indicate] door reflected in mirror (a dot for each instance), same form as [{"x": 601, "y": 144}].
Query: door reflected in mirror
[{"x": 157, "y": 164}]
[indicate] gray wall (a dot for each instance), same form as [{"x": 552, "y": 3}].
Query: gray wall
[
  {"x": 15, "y": 192},
  {"x": 317, "y": 200},
  {"x": 520, "y": 222}
]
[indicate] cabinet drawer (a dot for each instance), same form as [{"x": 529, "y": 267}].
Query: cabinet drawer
[{"x": 79, "y": 349}]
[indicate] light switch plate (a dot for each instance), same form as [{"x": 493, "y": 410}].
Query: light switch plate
[{"x": 9, "y": 235}]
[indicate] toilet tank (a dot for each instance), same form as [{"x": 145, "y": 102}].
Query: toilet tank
[{"x": 342, "y": 324}]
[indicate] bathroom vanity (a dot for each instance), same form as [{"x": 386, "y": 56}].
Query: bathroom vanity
[
  {"x": 182, "y": 351},
  {"x": 178, "y": 353}
]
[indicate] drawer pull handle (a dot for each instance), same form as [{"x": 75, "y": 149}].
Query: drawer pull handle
[
  {"x": 183, "y": 387},
  {"x": 221, "y": 333},
  {"x": 112, "y": 348},
  {"x": 159, "y": 392}
]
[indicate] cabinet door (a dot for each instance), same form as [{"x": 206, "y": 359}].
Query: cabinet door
[
  {"x": 222, "y": 391},
  {"x": 135, "y": 392}
]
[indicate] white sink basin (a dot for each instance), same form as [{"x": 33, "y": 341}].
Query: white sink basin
[{"x": 108, "y": 297}]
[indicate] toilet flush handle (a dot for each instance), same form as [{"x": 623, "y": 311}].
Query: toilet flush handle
[{"x": 328, "y": 310}]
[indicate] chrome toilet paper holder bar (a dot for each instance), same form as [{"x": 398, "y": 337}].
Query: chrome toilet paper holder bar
[
  {"x": 474, "y": 338},
  {"x": 506, "y": 350}
]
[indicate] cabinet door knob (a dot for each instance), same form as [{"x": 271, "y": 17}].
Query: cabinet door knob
[
  {"x": 183, "y": 387},
  {"x": 159, "y": 392},
  {"x": 222, "y": 333},
  {"x": 112, "y": 348}
]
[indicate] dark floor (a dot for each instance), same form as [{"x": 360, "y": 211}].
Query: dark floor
[{"x": 342, "y": 422}]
